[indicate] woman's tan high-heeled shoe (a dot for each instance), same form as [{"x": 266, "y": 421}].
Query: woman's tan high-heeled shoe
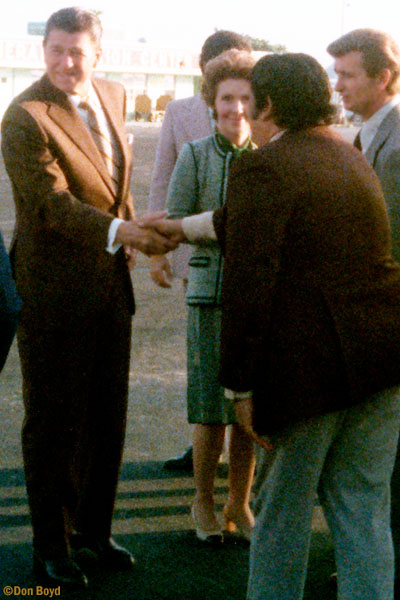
[
  {"x": 212, "y": 536},
  {"x": 239, "y": 524}
]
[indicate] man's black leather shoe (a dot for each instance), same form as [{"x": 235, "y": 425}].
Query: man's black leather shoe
[
  {"x": 333, "y": 581},
  {"x": 104, "y": 553},
  {"x": 181, "y": 463},
  {"x": 396, "y": 588},
  {"x": 59, "y": 570}
]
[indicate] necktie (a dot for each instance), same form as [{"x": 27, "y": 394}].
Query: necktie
[
  {"x": 357, "y": 142},
  {"x": 103, "y": 141}
]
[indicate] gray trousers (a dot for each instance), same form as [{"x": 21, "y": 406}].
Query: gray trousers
[{"x": 347, "y": 457}]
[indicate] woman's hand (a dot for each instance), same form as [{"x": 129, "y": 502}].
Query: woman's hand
[
  {"x": 160, "y": 271},
  {"x": 244, "y": 415},
  {"x": 170, "y": 228},
  {"x": 130, "y": 255}
]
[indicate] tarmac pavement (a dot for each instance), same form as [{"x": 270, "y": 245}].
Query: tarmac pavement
[{"x": 152, "y": 516}]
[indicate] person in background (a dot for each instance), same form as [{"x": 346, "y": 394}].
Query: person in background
[
  {"x": 185, "y": 120},
  {"x": 10, "y": 304},
  {"x": 367, "y": 65},
  {"x": 65, "y": 150},
  {"x": 197, "y": 184}
]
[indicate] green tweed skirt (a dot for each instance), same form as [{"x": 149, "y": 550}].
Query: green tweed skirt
[{"x": 205, "y": 396}]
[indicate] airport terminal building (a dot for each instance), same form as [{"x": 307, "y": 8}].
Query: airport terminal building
[{"x": 148, "y": 72}]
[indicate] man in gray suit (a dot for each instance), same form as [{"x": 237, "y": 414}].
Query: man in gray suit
[
  {"x": 185, "y": 120},
  {"x": 367, "y": 64}
]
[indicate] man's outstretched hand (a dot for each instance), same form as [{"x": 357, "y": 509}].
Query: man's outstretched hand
[
  {"x": 143, "y": 236},
  {"x": 171, "y": 228}
]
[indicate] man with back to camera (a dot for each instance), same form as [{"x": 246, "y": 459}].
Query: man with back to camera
[
  {"x": 185, "y": 120},
  {"x": 311, "y": 358},
  {"x": 367, "y": 64},
  {"x": 74, "y": 238}
]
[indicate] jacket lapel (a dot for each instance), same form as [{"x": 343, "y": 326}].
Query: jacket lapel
[
  {"x": 66, "y": 116},
  {"x": 381, "y": 136}
]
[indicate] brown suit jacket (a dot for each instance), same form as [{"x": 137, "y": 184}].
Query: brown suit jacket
[
  {"x": 77, "y": 299},
  {"x": 311, "y": 297},
  {"x": 64, "y": 201}
]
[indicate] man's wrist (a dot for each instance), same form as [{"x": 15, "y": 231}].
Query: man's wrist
[
  {"x": 199, "y": 227},
  {"x": 113, "y": 245}
]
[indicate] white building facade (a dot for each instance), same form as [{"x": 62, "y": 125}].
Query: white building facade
[{"x": 142, "y": 68}]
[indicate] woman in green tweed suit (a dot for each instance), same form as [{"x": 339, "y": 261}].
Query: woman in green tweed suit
[{"x": 198, "y": 184}]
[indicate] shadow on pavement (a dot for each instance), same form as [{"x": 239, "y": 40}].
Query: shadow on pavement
[{"x": 171, "y": 565}]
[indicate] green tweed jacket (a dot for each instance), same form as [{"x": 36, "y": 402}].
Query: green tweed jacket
[{"x": 198, "y": 184}]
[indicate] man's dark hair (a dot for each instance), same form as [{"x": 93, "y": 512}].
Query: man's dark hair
[
  {"x": 378, "y": 51},
  {"x": 75, "y": 20},
  {"x": 298, "y": 88},
  {"x": 220, "y": 41}
]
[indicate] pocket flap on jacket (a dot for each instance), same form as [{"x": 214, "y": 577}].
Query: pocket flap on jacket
[{"x": 200, "y": 261}]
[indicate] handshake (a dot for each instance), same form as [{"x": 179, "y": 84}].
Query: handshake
[{"x": 151, "y": 234}]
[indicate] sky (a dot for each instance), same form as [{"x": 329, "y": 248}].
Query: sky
[{"x": 300, "y": 25}]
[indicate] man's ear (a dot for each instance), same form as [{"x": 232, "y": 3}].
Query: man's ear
[
  {"x": 266, "y": 113},
  {"x": 99, "y": 52},
  {"x": 384, "y": 78}
]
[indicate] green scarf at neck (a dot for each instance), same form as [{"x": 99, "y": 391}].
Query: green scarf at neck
[{"x": 227, "y": 146}]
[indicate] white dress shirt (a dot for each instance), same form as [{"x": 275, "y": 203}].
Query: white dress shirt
[
  {"x": 371, "y": 126},
  {"x": 93, "y": 99}
]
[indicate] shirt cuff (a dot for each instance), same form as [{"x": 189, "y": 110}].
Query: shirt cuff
[
  {"x": 113, "y": 247},
  {"x": 199, "y": 227},
  {"x": 234, "y": 396}
]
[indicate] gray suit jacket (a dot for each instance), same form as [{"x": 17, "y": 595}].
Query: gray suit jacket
[
  {"x": 384, "y": 155},
  {"x": 184, "y": 121}
]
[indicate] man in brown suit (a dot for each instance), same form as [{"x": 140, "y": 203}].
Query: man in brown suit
[{"x": 74, "y": 238}]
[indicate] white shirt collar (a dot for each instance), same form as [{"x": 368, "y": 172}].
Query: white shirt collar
[
  {"x": 370, "y": 127},
  {"x": 277, "y": 136},
  {"x": 91, "y": 98}
]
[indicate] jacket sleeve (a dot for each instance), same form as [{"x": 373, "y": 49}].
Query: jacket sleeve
[
  {"x": 40, "y": 185},
  {"x": 9, "y": 304},
  {"x": 219, "y": 222},
  {"x": 389, "y": 176},
  {"x": 253, "y": 227},
  {"x": 183, "y": 188},
  {"x": 166, "y": 155}
]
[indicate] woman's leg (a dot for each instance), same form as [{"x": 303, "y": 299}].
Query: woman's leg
[
  {"x": 241, "y": 473},
  {"x": 208, "y": 441}
]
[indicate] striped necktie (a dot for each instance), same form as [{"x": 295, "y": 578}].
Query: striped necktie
[{"x": 103, "y": 141}]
